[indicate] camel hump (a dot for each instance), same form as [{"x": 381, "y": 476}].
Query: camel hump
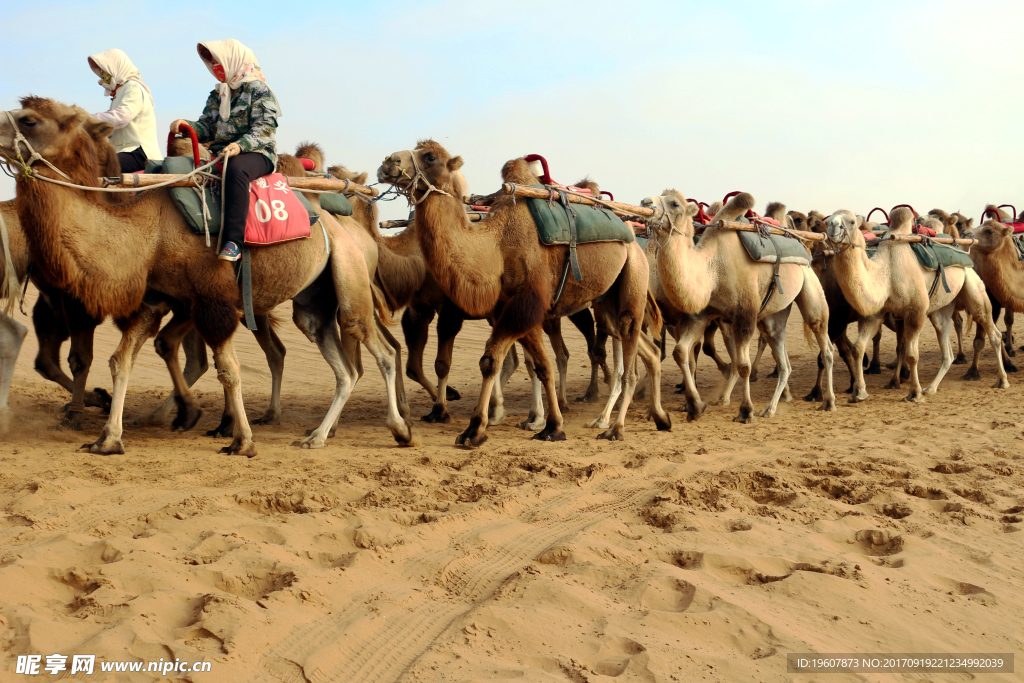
[
  {"x": 900, "y": 217},
  {"x": 313, "y": 152},
  {"x": 776, "y": 211},
  {"x": 992, "y": 209},
  {"x": 736, "y": 207}
]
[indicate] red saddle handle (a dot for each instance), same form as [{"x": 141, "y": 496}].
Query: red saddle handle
[
  {"x": 185, "y": 128},
  {"x": 546, "y": 178},
  {"x": 1012, "y": 208},
  {"x": 877, "y": 208},
  {"x": 611, "y": 197}
]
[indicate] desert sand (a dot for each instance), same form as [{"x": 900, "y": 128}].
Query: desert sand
[{"x": 706, "y": 553}]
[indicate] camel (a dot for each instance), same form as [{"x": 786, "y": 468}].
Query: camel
[
  {"x": 893, "y": 281},
  {"x": 717, "y": 279},
  {"x": 110, "y": 252},
  {"x": 499, "y": 267}
]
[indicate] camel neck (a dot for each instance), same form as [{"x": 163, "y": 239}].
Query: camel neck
[
  {"x": 465, "y": 260},
  {"x": 864, "y": 281},
  {"x": 685, "y": 271}
]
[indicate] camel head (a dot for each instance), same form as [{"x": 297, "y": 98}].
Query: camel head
[
  {"x": 418, "y": 170},
  {"x": 963, "y": 224},
  {"x": 344, "y": 174},
  {"x": 992, "y": 235},
  {"x": 67, "y": 137},
  {"x": 671, "y": 213},
  {"x": 843, "y": 227}
]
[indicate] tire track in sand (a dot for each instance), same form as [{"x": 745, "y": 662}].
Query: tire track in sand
[{"x": 383, "y": 647}]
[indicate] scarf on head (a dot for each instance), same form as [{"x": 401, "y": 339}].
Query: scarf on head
[
  {"x": 116, "y": 64},
  {"x": 240, "y": 66}
]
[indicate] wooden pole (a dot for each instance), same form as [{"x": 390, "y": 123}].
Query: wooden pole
[
  {"x": 750, "y": 227},
  {"x": 619, "y": 208},
  {"x": 473, "y": 216},
  {"x": 144, "y": 180},
  {"x": 968, "y": 241}
]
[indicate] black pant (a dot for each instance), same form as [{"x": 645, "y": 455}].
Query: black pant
[
  {"x": 132, "y": 161},
  {"x": 242, "y": 170}
]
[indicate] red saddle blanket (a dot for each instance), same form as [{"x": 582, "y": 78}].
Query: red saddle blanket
[
  {"x": 275, "y": 214},
  {"x": 1017, "y": 227}
]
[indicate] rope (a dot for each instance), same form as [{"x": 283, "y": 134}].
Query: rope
[{"x": 223, "y": 195}]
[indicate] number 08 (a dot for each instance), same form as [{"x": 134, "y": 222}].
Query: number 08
[{"x": 263, "y": 211}]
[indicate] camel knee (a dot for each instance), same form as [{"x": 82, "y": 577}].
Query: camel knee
[
  {"x": 442, "y": 368},
  {"x": 744, "y": 370},
  {"x": 487, "y": 365},
  {"x": 77, "y": 363}
]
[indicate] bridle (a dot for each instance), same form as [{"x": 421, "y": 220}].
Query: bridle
[
  {"x": 663, "y": 224},
  {"x": 34, "y": 156},
  {"x": 410, "y": 189},
  {"x": 842, "y": 244}
]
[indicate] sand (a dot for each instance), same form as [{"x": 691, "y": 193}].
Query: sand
[{"x": 706, "y": 553}]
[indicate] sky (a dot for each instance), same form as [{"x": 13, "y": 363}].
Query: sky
[{"x": 818, "y": 104}]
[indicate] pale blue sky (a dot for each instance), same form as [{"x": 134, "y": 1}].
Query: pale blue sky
[{"x": 821, "y": 105}]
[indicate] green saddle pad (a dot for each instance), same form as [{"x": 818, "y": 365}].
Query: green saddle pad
[
  {"x": 593, "y": 224},
  {"x": 781, "y": 249},
  {"x": 1018, "y": 241},
  {"x": 950, "y": 257},
  {"x": 338, "y": 204},
  {"x": 191, "y": 207}
]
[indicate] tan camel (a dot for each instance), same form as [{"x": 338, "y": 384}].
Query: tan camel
[
  {"x": 893, "y": 281},
  {"x": 109, "y": 252},
  {"x": 499, "y": 267},
  {"x": 717, "y": 279}
]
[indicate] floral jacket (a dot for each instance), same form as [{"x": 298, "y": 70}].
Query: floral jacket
[{"x": 252, "y": 123}]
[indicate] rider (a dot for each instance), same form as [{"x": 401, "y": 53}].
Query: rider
[
  {"x": 240, "y": 119},
  {"x": 131, "y": 110}
]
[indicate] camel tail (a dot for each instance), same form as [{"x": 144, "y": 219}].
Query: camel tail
[
  {"x": 380, "y": 305},
  {"x": 275, "y": 320},
  {"x": 812, "y": 343},
  {"x": 736, "y": 207},
  {"x": 652, "y": 316}
]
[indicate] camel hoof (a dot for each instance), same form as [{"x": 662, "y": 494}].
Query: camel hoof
[
  {"x": 814, "y": 396},
  {"x": 972, "y": 375},
  {"x": 437, "y": 415},
  {"x": 590, "y": 397},
  {"x": 914, "y": 398},
  {"x": 774, "y": 374},
  {"x": 694, "y": 411},
  {"x": 1002, "y": 384},
  {"x": 613, "y": 434},
  {"x": 452, "y": 394},
  {"x": 753, "y": 377},
  {"x": 890, "y": 366},
  {"x": 313, "y": 443},
  {"x": 960, "y": 359},
  {"x": 186, "y": 419},
  {"x": 746, "y": 417},
  {"x": 767, "y": 412},
  {"x": 104, "y": 446},
  {"x": 269, "y": 418},
  {"x": 99, "y": 398},
  {"x": 1010, "y": 351},
  {"x": 1009, "y": 367},
  {"x": 857, "y": 398},
  {"x": 663, "y": 422},
  {"x": 904, "y": 374},
  {"x": 309, "y": 432},
  {"x": 828, "y": 405},
  {"x": 723, "y": 402},
  {"x": 532, "y": 423},
  {"x": 599, "y": 424},
  {"x": 404, "y": 440},
  {"x": 875, "y": 368},
  {"x": 474, "y": 436},
  {"x": 238, "y": 448},
  {"x": 893, "y": 384},
  {"x": 72, "y": 421},
  {"x": 550, "y": 434}
]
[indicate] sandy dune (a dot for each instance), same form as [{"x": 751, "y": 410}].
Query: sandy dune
[{"x": 706, "y": 553}]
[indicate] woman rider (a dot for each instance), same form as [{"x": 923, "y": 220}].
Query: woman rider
[
  {"x": 240, "y": 120},
  {"x": 131, "y": 110}
]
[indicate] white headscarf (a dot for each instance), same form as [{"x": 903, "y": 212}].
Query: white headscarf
[
  {"x": 121, "y": 70},
  {"x": 240, "y": 66}
]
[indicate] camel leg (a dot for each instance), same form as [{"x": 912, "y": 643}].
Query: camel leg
[
  {"x": 535, "y": 420},
  {"x": 135, "y": 330},
  {"x": 866, "y": 329},
  {"x": 773, "y": 329},
  {"x": 762, "y": 344},
  {"x": 229, "y": 374},
  {"x": 744, "y": 327},
  {"x": 1008, "y": 335},
  {"x": 449, "y": 324},
  {"x": 618, "y": 367},
  {"x": 403, "y": 400},
  {"x": 814, "y": 310},
  {"x": 732, "y": 345},
  {"x": 942, "y": 321},
  {"x": 166, "y": 344},
  {"x": 648, "y": 353},
  {"x": 958, "y": 327},
  {"x": 875, "y": 367},
  {"x": 979, "y": 305},
  {"x": 709, "y": 349},
  {"x": 12, "y": 334},
  {"x": 688, "y": 332},
  {"x": 494, "y": 353},
  {"x": 496, "y": 409},
  {"x": 274, "y": 350},
  {"x": 82, "y": 327},
  {"x": 901, "y": 370},
  {"x": 323, "y": 330},
  {"x": 553, "y": 328},
  {"x": 196, "y": 365},
  {"x": 913, "y": 323},
  {"x": 51, "y": 331},
  {"x": 533, "y": 344},
  {"x": 416, "y": 328},
  {"x": 585, "y": 323}
]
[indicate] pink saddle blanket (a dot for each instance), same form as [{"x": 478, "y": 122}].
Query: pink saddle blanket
[{"x": 275, "y": 214}]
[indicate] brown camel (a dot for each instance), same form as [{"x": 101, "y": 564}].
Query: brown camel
[
  {"x": 717, "y": 279},
  {"x": 499, "y": 267},
  {"x": 893, "y": 281},
  {"x": 109, "y": 251}
]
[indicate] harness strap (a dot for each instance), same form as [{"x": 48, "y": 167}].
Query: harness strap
[
  {"x": 776, "y": 283},
  {"x": 940, "y": 271},
  {"x": 574, "y": 261},
  {"x": 561, "y": 284},
  {"x": 250, "y": 318},
  {"x": 24, "y": 289}
]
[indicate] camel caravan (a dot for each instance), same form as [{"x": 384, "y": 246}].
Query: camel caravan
[{"x": 224, "y": 229}]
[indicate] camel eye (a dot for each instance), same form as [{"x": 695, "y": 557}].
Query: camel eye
[
  {"x": 429, "y": 158},
  {"x": 28, "y": 123}
]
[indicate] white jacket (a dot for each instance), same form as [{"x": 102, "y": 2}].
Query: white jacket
[{"x": 134, "y": 121}]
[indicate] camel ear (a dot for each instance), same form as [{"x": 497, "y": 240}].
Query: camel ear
[
  {"x": 454, "y": 164},
  {"x": 691, "y": 209},
  {"x": 1005, "y": 229},
  {"x": 860, "y": 222},
  {"x": 970, "y": 222},
  {"x": 361, "y": 178},
  {"x": 99, "y": 130}
]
